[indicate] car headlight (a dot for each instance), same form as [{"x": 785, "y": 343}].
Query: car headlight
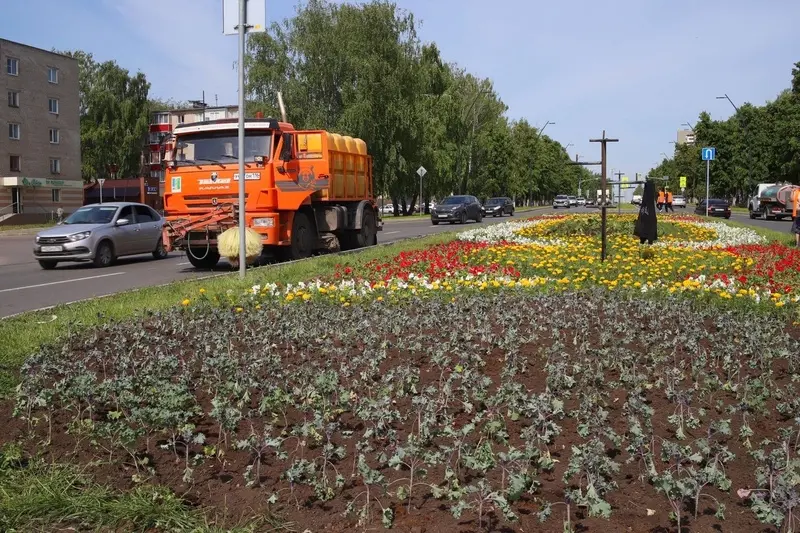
[
  {"x": 79, "y": 236},
  {"x": 37, "y": 238}
]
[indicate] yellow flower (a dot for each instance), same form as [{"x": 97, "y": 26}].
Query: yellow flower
[{"x": 186, "y": 302}]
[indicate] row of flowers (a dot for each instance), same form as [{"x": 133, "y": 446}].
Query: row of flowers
[
  {"x": 706, "y": 234},
  {"x": 697, "y": 258}
]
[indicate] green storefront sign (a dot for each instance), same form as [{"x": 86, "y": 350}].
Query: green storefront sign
[{"x": 33, "y": 182}]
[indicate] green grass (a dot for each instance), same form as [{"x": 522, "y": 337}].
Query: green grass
[
  {"x": 43, "y": 327},
  {"x": 44, "y": 497},
  {"x": 23, "y": 227}
]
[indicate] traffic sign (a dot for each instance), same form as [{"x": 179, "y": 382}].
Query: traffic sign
[
  {"x": 625, "y": 184},
  {"x": 683, "y": 182},
  {"x": 255, "y": 16},
  {"x": 709, "y": 153},
  {"x": 101, "y": 181},
  {"x": 421, "y": 171}
]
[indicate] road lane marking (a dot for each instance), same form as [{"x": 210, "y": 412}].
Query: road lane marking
[
  {"x": 390, "y": 232},
  {"x": 62, "y": 281}
]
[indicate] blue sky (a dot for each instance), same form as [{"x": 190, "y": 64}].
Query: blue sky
[{"x": 638, "y": 69}]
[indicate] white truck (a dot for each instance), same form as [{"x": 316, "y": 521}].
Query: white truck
[{"x": 754, "y": 204}]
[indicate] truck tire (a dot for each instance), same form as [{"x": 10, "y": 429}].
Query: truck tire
[
  {"x": 203, "y": 258},
  {"x": 361, "y": 238},
  {"x": 303, "y": 237}
]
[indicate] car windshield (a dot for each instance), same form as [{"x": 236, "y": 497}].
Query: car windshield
[
  {"x": 714, "y": 201},
  {"x": 454, "y": 200},
  {"x": 494, "y": 201},
  {"x": 561, "y": 197},
  {"x": 97, "y": 214},
  {"x": 220, "y": 147}
]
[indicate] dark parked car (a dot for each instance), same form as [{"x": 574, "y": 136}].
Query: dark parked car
[
  {"x": 498, "y": 207},
  {"x": 716, "y": 208},
  {"x": 457, "y": 209}
]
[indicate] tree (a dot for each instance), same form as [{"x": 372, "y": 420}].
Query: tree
[
  {"x": 378, "y": 82},
  {"x": 114, "y": 117},
  {"x": 757, "y": 144}
]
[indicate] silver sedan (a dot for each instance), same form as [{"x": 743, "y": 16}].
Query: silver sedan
[{"x": 101, "y": 233}]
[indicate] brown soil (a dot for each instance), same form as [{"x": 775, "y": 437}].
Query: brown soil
[{"x": 218, "y": 483}]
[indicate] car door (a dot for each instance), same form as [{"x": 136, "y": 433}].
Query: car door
[
  {"x": 126, "y": 238},
  {"x": 149, "y": 227}
]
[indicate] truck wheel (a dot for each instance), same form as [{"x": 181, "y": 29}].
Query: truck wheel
[
  {"x": 203, "y": 258},
  {"x": 366, "y": 236},
  {"x": 303, "y": 237}
]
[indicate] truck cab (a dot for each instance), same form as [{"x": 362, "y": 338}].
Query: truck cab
[{"x": 754, "y": 204}]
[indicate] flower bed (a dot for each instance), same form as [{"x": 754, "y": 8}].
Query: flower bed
[
  {"x": 546, "y": 412},
  {"x": 693, "y": 257}
]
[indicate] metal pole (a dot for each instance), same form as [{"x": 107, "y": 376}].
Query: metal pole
[
  {"x": 421, "y": 207},
  {"x": 101, "y": 192},
  {"x": 603, "y": 196},
  {"x": 242, "y": 180},
  {"x": 708, "y": 181}
]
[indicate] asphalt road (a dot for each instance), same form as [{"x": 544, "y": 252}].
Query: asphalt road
[{"x": 24, "y": 286}]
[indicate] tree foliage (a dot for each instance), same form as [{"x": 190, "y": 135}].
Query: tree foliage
[
  {"x": 757, "y": 144},
  {"x": 361, "y": 70},
  {"x": 114, "y": 117}
]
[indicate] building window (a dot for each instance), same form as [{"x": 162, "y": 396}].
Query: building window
[
  {"x": 56, "y": 195},
  {"x": 13, "y": 98},
  {"x": 161, "y": 118},
  {"x": 55, "y": 166},
  {"x": 52, "y": 105},
  {"x": 12, "y": 66},
  {"x": 155, "y": 137},
  {"x": 52, "y": 74},
  {"x": 155, "y": 158},
  {"x": 13, "y": 131},
  {"x": 14, "y": 163},
  {"x": 55, "y": 136},
  {"x": 181, "y": 119}
]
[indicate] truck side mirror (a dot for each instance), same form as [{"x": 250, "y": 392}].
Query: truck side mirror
[{"x": 286, "y": 150}]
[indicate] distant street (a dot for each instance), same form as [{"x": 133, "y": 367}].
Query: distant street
[{"x": 25, "y": 286}]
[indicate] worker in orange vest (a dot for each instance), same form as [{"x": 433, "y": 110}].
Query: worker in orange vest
[
  {"x": 661, "y": 199},
  {"x": 795, "y": 218},
  {"x": 668, "y": 204}
]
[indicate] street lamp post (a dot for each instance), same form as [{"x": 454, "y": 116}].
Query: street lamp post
[
  {"x": 538, "y": 136},
  {"x": 744, "y": 128}
]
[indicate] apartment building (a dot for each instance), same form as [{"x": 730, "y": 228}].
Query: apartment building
[
  {"x": 686, "y": 137},
  {"x": 164, "y": 121},
  {"x": 40, "y": 150}
]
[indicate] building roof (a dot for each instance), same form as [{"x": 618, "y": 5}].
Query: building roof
[
  {"x": 37, "y": 49},
  {"x": 197, "y": 109}
]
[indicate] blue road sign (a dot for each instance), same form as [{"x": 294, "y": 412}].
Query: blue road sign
[{"x": 709, "y": 153}]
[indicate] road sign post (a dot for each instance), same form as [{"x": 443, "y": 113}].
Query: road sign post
[
  {"x": 240, "y": 17},
  {"x": 421, "y": 171},
  {"x": 708, "y": 154},
  {"x": 101, "y": 181}
]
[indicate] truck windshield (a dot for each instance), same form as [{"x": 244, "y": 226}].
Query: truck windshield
[{"x": 221, "y": 147}]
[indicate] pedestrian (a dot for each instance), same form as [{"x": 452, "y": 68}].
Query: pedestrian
[
  {"x": 795, "y": 219},
  {"x": 668, "y": 205},
  {"x": 661, "y": 199},
  {"x": 646, "y": 227}
]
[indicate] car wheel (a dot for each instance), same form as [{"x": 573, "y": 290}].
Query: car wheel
[
  {"x": 104, "y": 256},
  {"x": 463, "y": 219},
  {"x": 48, "y": 265},
  {"x": 435, "y": 222},
  {"x": 479, "y": 218},
  {"x": 160, "y": 252}
]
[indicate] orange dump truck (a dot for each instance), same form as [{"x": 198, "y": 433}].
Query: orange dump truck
[{"x": 305, "y": 191}]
